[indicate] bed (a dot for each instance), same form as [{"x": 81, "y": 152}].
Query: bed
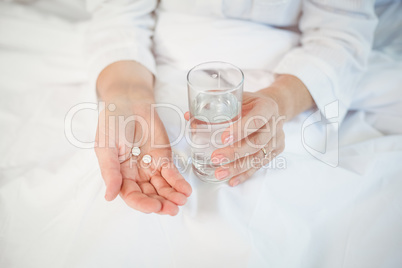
[{"x": 304, "y": 210}]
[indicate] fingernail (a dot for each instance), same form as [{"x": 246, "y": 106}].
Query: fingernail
[
  {"x": 107, "y": 197},
  {"x": 235, "y": 182},
  {"x": 228, "y": 139},
  {"x": 217, "y": 159},
  {"x": 221, "y": 174}
]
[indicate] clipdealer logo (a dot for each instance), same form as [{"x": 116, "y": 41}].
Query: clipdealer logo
[{"x": 323, "y": 141}]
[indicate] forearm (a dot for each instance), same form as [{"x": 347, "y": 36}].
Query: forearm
[
  {"x": 125, "y": 79},
  {"x": 291, "y": 95}
]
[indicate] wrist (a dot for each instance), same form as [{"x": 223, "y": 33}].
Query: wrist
[
  {"x": 291, "y": 95},
  {"x": 128, "y": 92},
  {"x": 280, "y": 95},
  {"x": 127, "y": 80}
]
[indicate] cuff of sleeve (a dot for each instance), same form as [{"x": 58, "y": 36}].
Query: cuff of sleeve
[
  {"x": 316, "y": 76},
  {"x": 100, "y": 62}
]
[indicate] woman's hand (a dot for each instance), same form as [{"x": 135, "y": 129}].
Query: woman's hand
[
  {"x": 253, "y": 141},
  {"x": 127, "y": 122},
  {"x": 156, "y": 187},
  {"x": 258, "y": 137}
]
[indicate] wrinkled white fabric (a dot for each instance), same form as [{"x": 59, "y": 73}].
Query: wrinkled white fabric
[
  {"x": 306, "y": 214},
  {"x": 335, "y": 38}
]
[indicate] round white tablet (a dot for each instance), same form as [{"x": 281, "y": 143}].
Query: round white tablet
[
  {"x": 136, "y": 151},
  {"x": 147, "y": 159}
]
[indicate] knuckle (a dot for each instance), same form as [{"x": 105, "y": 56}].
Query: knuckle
[
  {"x": 238, "y": 167},
  {"x": 275, "y": 106},
  {"x": 257, "y": 140},
  {"x": 272, "y": 103},
  {"x": 256, "y": 161},
  {"x": 260, "y": 103},
  {"x": 232, "y": 152}
]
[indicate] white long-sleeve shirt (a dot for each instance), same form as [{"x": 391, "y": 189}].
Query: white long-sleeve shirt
[{"x": 336, "y": 37}]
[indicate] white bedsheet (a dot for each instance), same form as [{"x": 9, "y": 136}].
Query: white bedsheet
[{"x": 309, "y": 214}]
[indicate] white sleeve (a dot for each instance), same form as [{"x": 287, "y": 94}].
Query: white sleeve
[
  {"x": 336, "y": 40},
  {"x": 119, "y": 30}
]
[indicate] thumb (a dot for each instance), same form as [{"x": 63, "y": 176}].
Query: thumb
[{"x": 110, "y": 168}]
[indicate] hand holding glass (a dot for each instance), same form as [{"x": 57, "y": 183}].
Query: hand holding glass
[{"x": 215, "y": 92}]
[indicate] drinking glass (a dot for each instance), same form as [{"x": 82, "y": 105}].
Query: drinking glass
[{"x": 215, "y": 91}]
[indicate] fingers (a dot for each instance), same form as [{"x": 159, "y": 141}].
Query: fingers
[
  {"x": 110, "y": 169},
  {"x": 162, "y": 165},
  {"x": 240, "y": 165},
  {"x": 249, "y": 145},
  {"x": 241, "y": 169},
  {"x": 242, "y": 177},
  {"x": 143, "y": 197},
  {"x": 254, "y": 116},
  {"x": 187, "y": 116},
  {"x": 134, "y": 197},
  {"x": 175, "y": 179},
  {"x": 168, "y": 208},
  {"x": 163, "y": 184},
  {"x": 166, "y": 191}
]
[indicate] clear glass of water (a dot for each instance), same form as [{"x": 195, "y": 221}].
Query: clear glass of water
[{"x": 215, "y": 91}]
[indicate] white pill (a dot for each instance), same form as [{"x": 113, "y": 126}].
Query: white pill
[
  {"x": 136, "y": 151},
  {"x": 147, "y": 159}
]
